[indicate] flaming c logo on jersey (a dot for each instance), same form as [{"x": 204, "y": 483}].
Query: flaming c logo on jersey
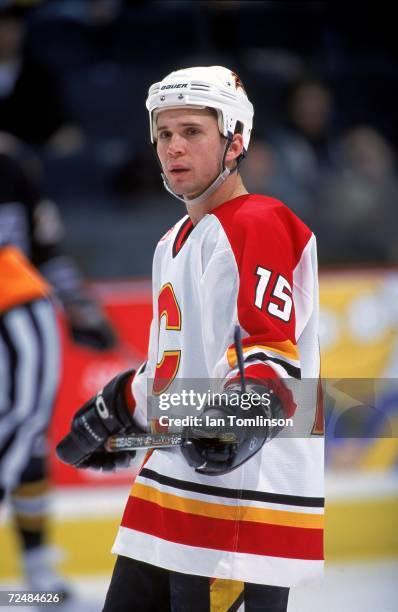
[{"x": 238, "y": 82}]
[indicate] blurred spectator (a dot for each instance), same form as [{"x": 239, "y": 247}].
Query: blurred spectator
[
  {"x": 310, "y": 107},
  {"x": 259, "y": 169},
  {"x": 358, "y": 212},
  {"x": 262, "y": 172},
  {"x": 31, "y": 105},
  {"x": 32, "y": 223},
  {"x": 304, "y": 142},
  {"x": 139, "y": 175}
]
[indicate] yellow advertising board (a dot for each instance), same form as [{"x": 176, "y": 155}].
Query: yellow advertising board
[{"x": 359, "y": 324}]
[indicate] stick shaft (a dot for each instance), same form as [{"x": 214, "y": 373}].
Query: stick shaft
[
  {"x": 136, "y": 441},
  {"x": 239, "y": 356}
]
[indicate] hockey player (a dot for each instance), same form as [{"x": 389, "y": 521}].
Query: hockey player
[{"x": 217, "y": 523}]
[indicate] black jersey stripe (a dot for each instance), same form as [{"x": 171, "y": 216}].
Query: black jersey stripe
[
  {"x": 142, "y": 369},
  {"x": 290, "y": 369},
  {"x": 244, "y": 494},
  {"x": 10, "y": 360},
  {"x": 182, "y": 235}
]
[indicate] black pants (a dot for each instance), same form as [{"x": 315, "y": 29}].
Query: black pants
[{"x": 140, "y": 587}]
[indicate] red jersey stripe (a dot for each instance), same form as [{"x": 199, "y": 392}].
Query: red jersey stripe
[{"x": 221, "y": 534}]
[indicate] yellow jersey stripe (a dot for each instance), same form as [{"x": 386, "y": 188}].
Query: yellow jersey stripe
[
  {"x": 233, "y": 513},
  {"x": 285, "y": 348}
]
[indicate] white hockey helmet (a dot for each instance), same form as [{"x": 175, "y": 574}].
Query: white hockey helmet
[{"x": 211, "y": 86}]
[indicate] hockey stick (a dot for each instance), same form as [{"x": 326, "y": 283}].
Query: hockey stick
[{"x": 133, "y": 442}]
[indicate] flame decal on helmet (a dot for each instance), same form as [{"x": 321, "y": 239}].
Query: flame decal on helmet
[{"x": 238, "y": 82}]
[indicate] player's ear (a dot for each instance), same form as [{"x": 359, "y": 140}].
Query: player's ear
[{"x": 235, "y": 148}]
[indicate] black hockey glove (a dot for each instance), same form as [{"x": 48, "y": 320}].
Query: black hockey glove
[
  {"x": 203, "y": 446},
  {"x": 88, "y": 325},
  {"x": 102, "y": 416}
]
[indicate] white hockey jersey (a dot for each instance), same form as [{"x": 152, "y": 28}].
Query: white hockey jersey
[{"x": 250, "y": 262}]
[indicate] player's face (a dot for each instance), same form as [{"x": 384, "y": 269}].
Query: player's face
[{"x": 190, "y": 149}]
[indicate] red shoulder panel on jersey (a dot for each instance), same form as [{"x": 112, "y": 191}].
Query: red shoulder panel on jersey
[{"x": 267, "y": 240}]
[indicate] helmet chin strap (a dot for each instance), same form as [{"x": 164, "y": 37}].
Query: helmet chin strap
[
  {"x": 219, "y": 180},
  {"x": 205, "y": 194}
]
